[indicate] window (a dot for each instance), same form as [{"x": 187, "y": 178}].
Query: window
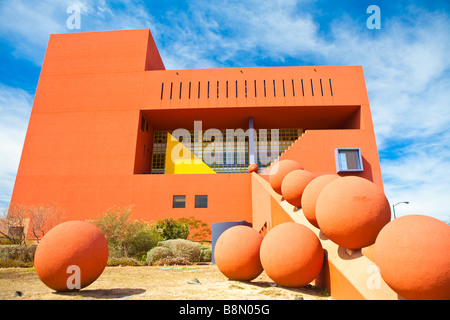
[
  {"x": 179, "y": 202},
  {"x": 201, "y": 201},
  {"x": 348, "y": 160}
]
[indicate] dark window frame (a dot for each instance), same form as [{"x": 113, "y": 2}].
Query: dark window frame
[
  {"x": 340, "y": 165},
  {"x": 180, "y": 204},
  {"x": 201, "y": 201}
]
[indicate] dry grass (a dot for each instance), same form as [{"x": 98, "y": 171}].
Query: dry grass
[{"x": 155, "y": 283}]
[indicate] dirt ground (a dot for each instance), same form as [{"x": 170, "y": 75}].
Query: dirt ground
[{"x": 155, "y": 283}]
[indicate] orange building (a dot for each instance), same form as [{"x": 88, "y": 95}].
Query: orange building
[{"x": 107, "y": 122}]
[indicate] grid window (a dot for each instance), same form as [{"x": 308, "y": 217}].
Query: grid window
[
  {"x": 348, "y": 160},
  {"x": 179, "y": 202},
  {"x": 201, "y": 201},
  {"x": 159, "y": 152},
  {"x": 241, "y": 150}
]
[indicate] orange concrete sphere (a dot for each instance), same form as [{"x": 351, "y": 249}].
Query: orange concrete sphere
[
  {"x": 413, "y": 254},
  {"x": 66, "y": 247},
  {"x": 291, "y": 255},
  {"x": 237, "y": 253},
  {"x": 253, "y": 168},
  {"x": 279, "y": 171},
  {"x": 293, "y": 185},
  {"x": 310, "y": 195},
  {"x": 351, "y": 211}
]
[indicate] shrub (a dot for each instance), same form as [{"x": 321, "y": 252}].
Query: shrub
[
  {"x": 18, "y": 252},
  {"x": 126, "y": 238},
  {"x": 123, "y": 261},
  {"x": 205, "y": 254},
  {"x": 157, "y": 253},
  {"x": 182, "y": 248},
  {"x": 172, "y": 261},
  {"x": 138, "y": 244}
]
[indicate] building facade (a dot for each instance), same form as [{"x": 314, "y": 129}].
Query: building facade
[{"x": 110, "y": 126}]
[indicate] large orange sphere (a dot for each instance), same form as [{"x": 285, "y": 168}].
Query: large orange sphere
[
  {"x": 293, "y": 185},
  {"x": 253, "y": 168},
  {"x": 71, "y": 255},
  {"x": 310, "y": 195},
  {"x": 279, "y": 170},
  {"x": 291, "y": 255},
  {"x": 237, "y": 253},
  {"x": 413, "y": 254},
  {"x": 351, "y": 211}
]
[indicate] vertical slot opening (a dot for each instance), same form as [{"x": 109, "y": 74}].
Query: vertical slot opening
[
  {"x": 264, "y": 88},
  {"x": 217, "y": 89},
  {"x": 236, "y": 89},
  {"x": 274, "y": 90},
  {"x": 199, "y": 89},
  {"x": 226, "y": 91},
  {"x": 331, "y": 87},
  {"x": 312, "y": 88},
  {"x": 254, "y": 83},
  {"x": 189, "y": 89},
  {"x": 162, "y": 90},
  {"x": 171, "y": 87},
  {"x": 284, "y": 89},
  {"x": 246, "y": 88},
  {"x": 181, "y": 86},
  {"x": 321, "y": 87},
  {"x": 293, "y": 88},
  {"x": 207, "y": 91},
  {"x": 303, "y": 89}
]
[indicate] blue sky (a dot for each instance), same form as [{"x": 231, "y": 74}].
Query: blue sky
[{"x": 406, "y": 65}]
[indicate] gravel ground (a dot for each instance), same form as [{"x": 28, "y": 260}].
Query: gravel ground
[{"x": 155, "y": 283}]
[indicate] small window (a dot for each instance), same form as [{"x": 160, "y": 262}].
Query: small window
[
  {"x": 348, "y": 160},
  {"x": 179, "y": 202},
  {"x": 201, "y": 201}
]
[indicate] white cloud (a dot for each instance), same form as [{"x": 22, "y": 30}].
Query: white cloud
[{"x": 15, "y": 107}]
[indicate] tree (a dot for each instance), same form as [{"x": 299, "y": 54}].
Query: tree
[
  {"x": 16, "y": 220},
  {"x": 125, "y": 237},
  {"x": 43, "y": 218},
  {"x": 198, "y": 230}
]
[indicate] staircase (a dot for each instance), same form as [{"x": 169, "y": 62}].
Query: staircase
[{"x": 347, "y": 276}]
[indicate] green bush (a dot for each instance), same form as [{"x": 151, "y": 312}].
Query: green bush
[
  {"x": 18, "y": 252},
  {"x": 171, "y": 229},
  {"x": 182, "y": 248},
  {"x": 172, "y": 261},
  {"x": 205, "y": 254},
  {"x": 157, "y": 253},
  {"x": 123, "y": 261},
  {"x": 126, "y": 238}
]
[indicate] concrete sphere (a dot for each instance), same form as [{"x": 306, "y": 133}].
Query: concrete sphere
[
  {"x": 413, "y": 254},
  {"x": 236, "y": 253},
  {"x": 66, "y": 247},
  {"x": 351, "y": 211},
  {"x": 279, "y": 171},
  {"x": 253, "y": 168},
  {"x": 293, "y": 185},
  {"x": 292, "y": 255},
  {"x": 310, "y": 195}
]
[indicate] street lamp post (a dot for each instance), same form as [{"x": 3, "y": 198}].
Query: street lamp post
[{"x": 393, "y": 207}]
